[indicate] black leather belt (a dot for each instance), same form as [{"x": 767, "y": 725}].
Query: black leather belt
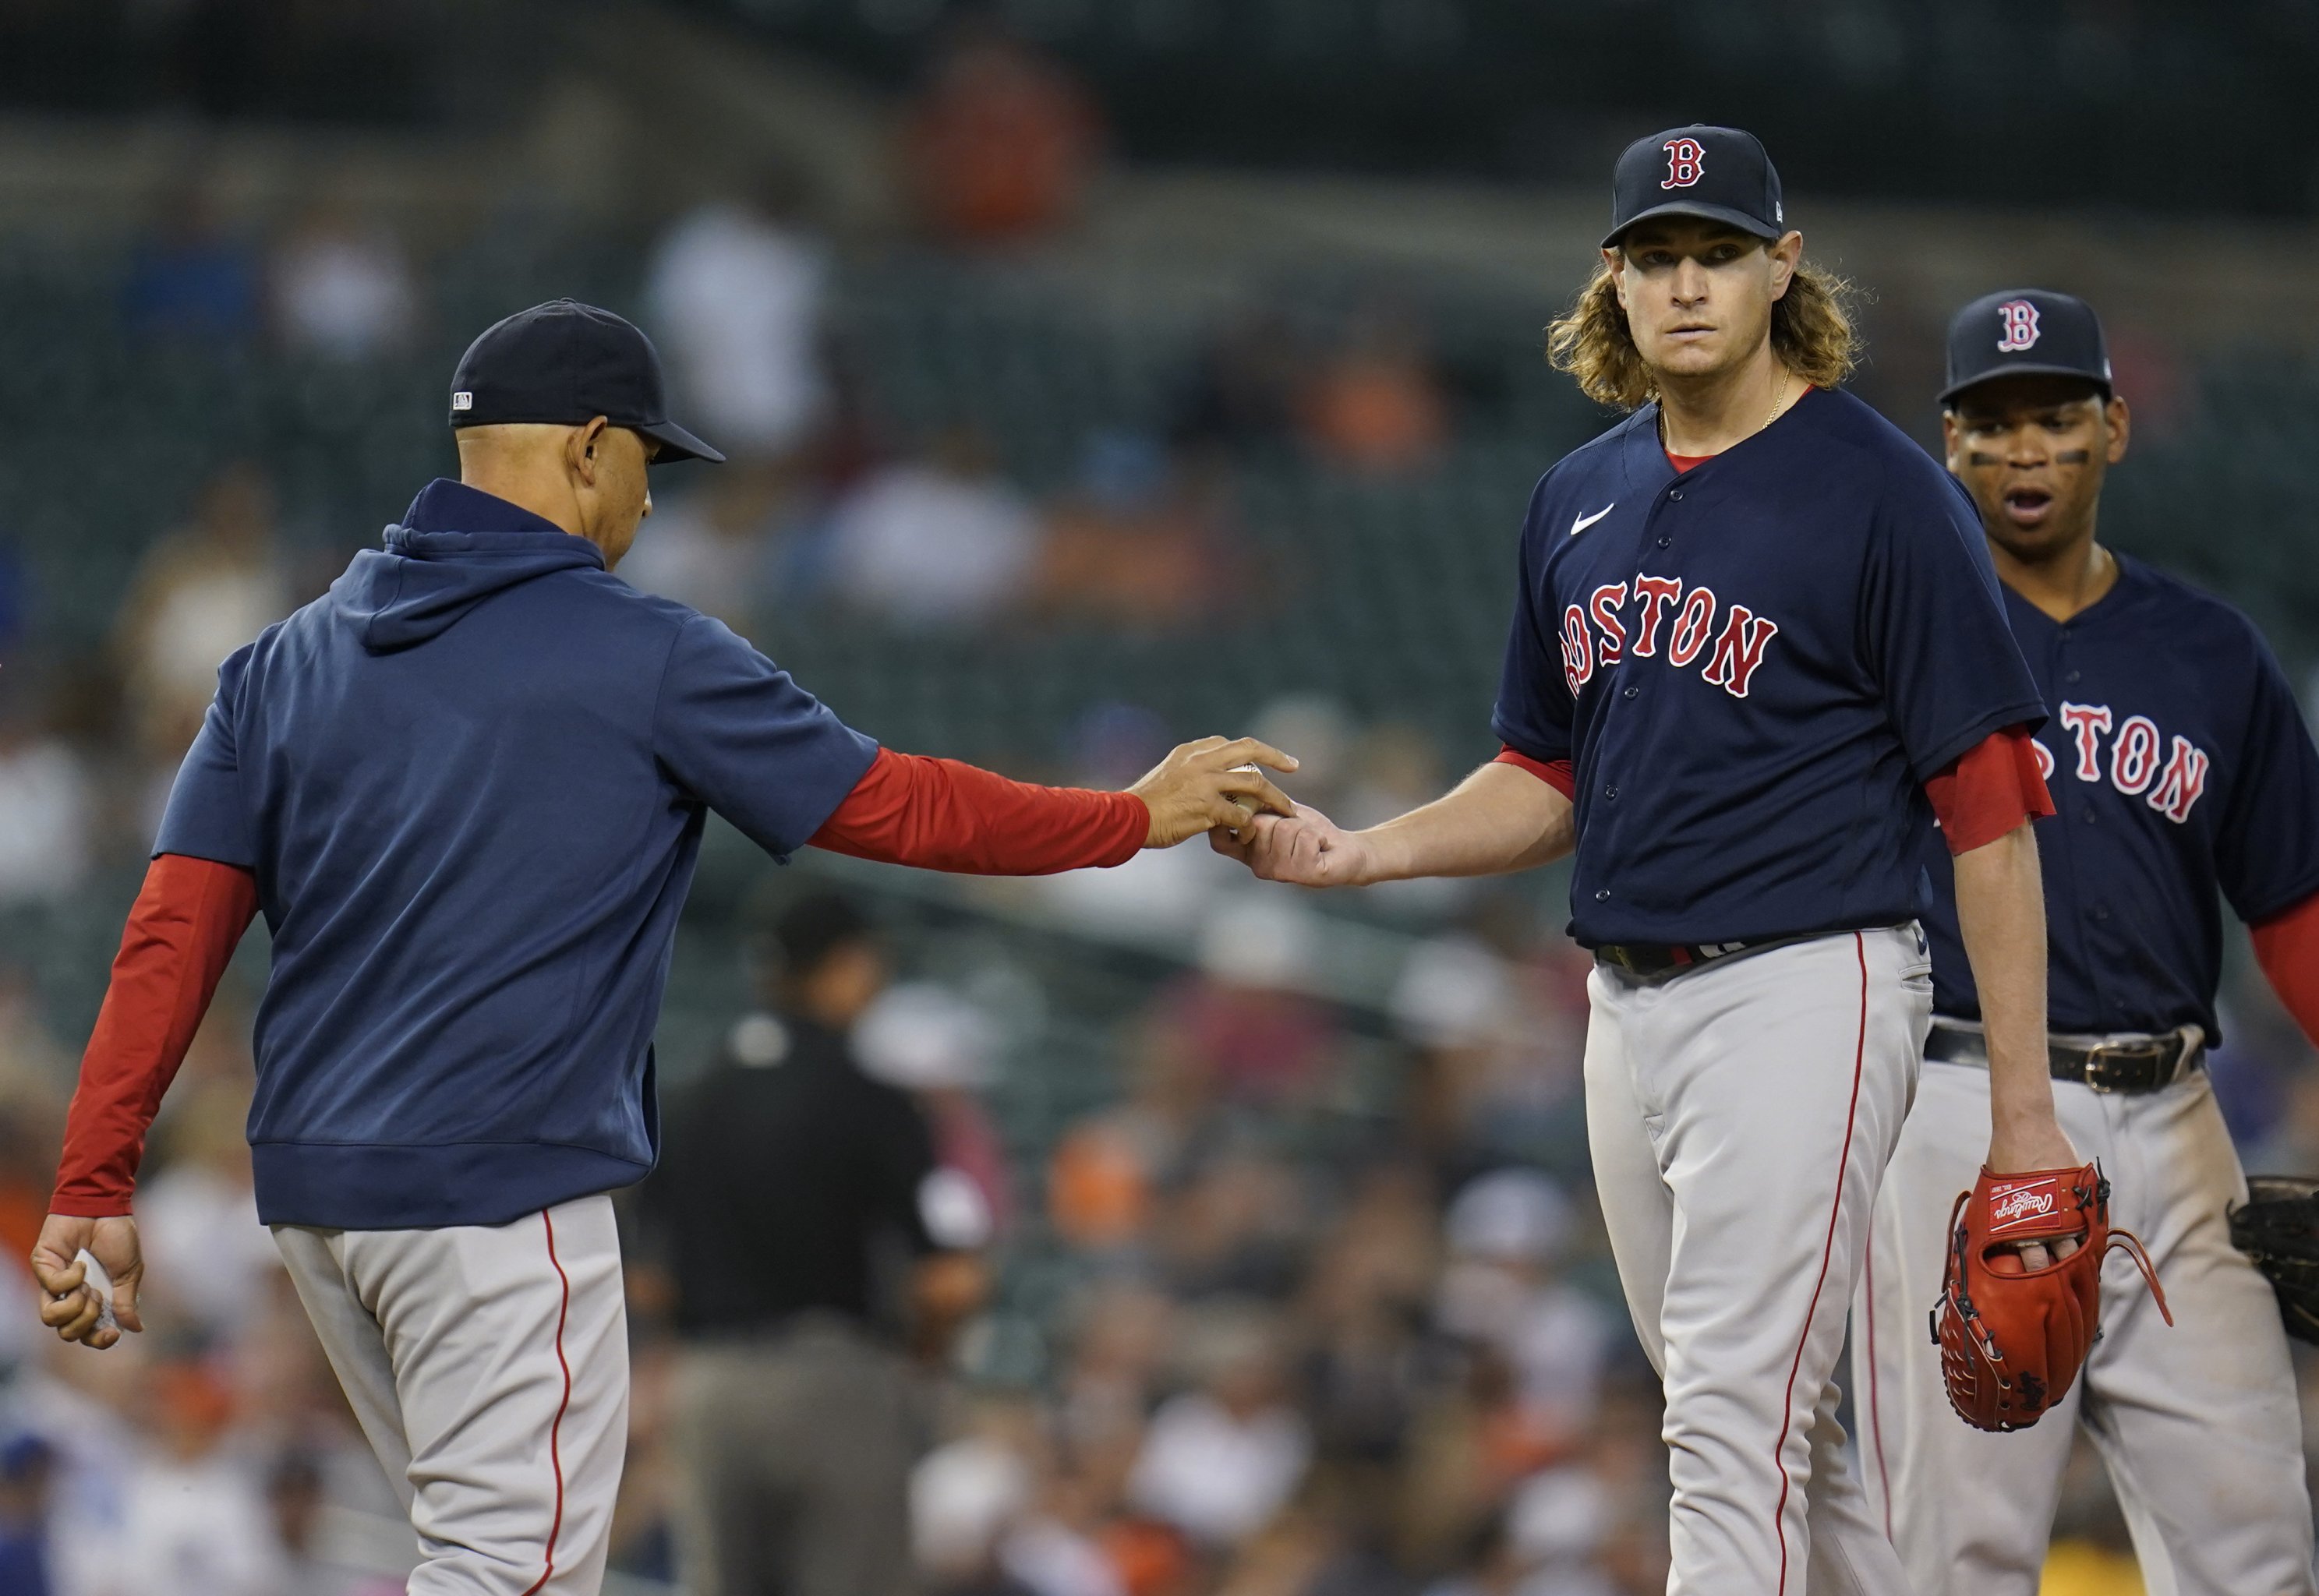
[
  {"x": 2104, "y": 1063},
  {"x": 1658, "y": 959}
]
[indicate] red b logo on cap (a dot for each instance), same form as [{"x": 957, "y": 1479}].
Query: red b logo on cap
[
  {"x": 1683, "y": 158},
  {"x": 2018, "y": 317}
]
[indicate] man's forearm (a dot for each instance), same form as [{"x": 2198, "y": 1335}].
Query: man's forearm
[
  {"x": 181, "y": 932},
  {"x": 1501, "y": 818},
  {"x": 2001, "y": 914}
]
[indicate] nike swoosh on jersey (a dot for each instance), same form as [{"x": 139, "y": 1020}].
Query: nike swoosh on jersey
[{"x": 1580, "y": 523}]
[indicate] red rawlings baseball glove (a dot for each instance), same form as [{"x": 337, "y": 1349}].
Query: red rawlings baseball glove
[{"x": 2013, "y": 1337}]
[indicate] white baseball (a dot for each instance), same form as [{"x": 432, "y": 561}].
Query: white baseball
[{"x": 101, "y": 1282}]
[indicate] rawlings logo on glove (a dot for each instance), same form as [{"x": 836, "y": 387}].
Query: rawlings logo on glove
[
  {"x": 2016, "y": 1204},
  {"x": 2013, "y": 1337}
]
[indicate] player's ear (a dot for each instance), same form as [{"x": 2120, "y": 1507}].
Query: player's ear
[
  {"x": 1787, "y": 252},
  {"x": 1951, "y": 434},
  {"x": 582, "y": 448},
  {"x": 1614, "y": 261},
  {"x": 2120, "y": 426}
]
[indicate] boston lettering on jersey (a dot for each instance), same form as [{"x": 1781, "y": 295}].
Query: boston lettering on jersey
[
  {"x": 1738, "y": 650},
  {"x": 1752, "y": 668},
  {"x": 2182, "y": 773},
  {"x": 2132, "y": 765}
]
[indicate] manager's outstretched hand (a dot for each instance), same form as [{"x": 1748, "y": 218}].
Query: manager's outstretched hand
[{"x": 1211, "y": 785}]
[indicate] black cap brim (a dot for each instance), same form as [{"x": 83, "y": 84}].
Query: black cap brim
[
  {"x": 1751, "y": 226},
  {"x": 677, "y": 444},
  {"x": 2094, "y": 379}
]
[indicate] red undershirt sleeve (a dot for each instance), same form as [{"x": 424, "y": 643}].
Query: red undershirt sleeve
[
  {"x": 940, "y": 815},
  {"x": 1556, "y": 773},
  {"x": 187, "y": 920},
  {"x": 2287, "y": 946},
  {"x": 1992, "y": 788}
]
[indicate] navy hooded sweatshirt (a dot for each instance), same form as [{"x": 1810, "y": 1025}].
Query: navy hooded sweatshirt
[{"x": 471, "y": 781}]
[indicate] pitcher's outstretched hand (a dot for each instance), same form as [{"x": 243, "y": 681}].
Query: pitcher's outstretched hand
[
  {"x": 1211, "y": 784},
  {"x": 1307, "y": 849}
]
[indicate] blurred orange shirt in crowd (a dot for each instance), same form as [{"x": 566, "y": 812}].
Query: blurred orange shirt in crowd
[
  {"x": 1098, "y": 1192},
  {"x": 1150, "y": 1559},
  {"x": 1377, "y": 413},
  {"x": 1002, "y": 144}
]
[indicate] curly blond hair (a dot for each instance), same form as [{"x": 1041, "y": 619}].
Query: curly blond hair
[{"x": 1811, "y": 333}]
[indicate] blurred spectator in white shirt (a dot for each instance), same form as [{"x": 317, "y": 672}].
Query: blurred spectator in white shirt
[
  {"x": 207, "y": 1258},
  {"x": 963, "y": 1499},
  {"x": 939, "y": 1047},
  {"x": 45, "y": 803},
  {"x": 200, "y": 593},
  {"x": 194, "y": 1519},
  {"x": 734, "y": 296},
  {"x": 297, "y": 1495},
  {"x": 341, "y": 288},
  {"x": 1219, "y": 1461},
  {"x": 942, "y": 541},
  {"x": 714, "y": 547},
  {"x": 1506, "y": 1231}
]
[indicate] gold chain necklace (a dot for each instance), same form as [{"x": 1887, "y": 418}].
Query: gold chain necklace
[
  {"x": 1780, "y": 400},
  {"x": 1780, "y": 403}
]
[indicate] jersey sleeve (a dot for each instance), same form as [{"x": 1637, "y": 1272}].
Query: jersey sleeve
[
  {"x": 206, "y": 816},
  {"x": 1934, "y": 627},
  {"x": 738, "y": 733},
  {"x": 1533, "y": 713},
  {"x": 2287, "y": 946},
  {"x": 940, "y": 815},
  {"x": 1994, "y": 787},
  {"x": 1558, "y": 774},
  {"x": 2266, "y": 845},
  {"x": 188, "y": 918}
]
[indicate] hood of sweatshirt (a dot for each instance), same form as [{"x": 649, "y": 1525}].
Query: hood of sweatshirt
[{"x": 454, "y": 547}]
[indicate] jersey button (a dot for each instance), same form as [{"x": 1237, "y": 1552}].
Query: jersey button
[
  {"x": 1603, "y": 896},
  {"x": 1676, "y": 494},
  {"x": 1664, "y": 542},
  {"x": 1630, "y": 692},
  {"x": 1612, "y": 793},
  {"x": 2072, "y": 676}
]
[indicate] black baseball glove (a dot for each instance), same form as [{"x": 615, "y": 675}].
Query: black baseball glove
[{"x": 2277, "y": 1226}]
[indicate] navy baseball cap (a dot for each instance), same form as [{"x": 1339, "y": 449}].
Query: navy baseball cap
[
  {"x": 565, "y": 364},
  {"x": 1719, "y": 173},
  {"x": 2025, "y": 332}
]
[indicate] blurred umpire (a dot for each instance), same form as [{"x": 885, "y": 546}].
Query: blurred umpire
[{"x": 814, "y": 1243}]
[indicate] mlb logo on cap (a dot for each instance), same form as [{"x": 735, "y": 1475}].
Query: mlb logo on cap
[{"x": 462, "y": 402}]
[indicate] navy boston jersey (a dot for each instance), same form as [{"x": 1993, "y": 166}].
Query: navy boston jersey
[
  {"x": 2178, "y": 765},
  {"x": 1753, "y": 668}
]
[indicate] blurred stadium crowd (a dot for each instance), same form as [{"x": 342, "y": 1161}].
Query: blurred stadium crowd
[{"x": 1294, "y": 1284}]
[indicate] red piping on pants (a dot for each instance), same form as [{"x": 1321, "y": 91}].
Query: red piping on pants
[
  {"x": 555, "y": 1431},
  {"x": 1875, "y": 1400},
  {"x": 1828, "y": 1249}
]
